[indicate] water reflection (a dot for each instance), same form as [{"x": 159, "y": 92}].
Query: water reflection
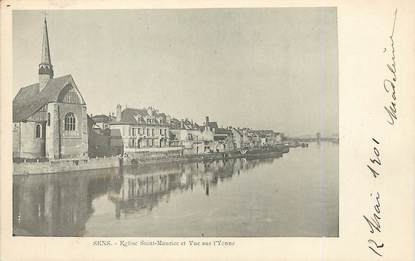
[{"x": 60, "y": 205}]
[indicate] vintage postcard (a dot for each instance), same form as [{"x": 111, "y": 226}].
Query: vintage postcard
[{"x": 207, "y": 130}]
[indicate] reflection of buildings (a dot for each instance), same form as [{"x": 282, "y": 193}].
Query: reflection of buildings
[
  {"x": 142, "y": 189},
  {"x": 55, "y": 205},
  {"x": 60, "y": 205}
]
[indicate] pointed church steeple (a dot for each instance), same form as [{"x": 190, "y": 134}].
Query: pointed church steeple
[{"x": 45, "y": 66}]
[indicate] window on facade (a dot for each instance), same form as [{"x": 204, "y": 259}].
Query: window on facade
[
  {"x": 38, "y": 131},
  {"x": 48, "y": 118},
  {"x": 139, "y": 131},
  {"x": 71, "y": 97},
  {"x": 148, "y": 132},
  {"x": 161, "y": 132},
  {"x": 134, "y": 132},
  {"x": 165, "y": 132},
  {"x": 70, "y": 122}
]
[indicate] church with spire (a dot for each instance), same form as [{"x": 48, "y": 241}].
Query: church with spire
[{"x": 50, "y": 116}]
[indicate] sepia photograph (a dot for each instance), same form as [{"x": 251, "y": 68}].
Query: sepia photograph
[{"x": 209, "y": 122}]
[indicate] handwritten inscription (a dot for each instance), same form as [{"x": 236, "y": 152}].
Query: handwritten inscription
[
  {"x": 373, "y": 220},
  {"x": 389, "y": 84},
  {"x": 375, "y": 160}
]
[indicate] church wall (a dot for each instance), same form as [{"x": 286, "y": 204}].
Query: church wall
[
  {"x": 30, "y": 146},
  {"x": 52, "y": 132},
  {"x": 74, "y": 144}
]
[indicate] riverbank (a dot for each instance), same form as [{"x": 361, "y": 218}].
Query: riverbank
[
  {"x": 174, "y": 199},
  {"x": 71, "y": 165},
  {"x": 204, "y": 157},
  {"x": 64, "y": 165}
]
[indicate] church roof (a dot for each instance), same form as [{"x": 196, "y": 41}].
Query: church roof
[
  {"x": 45, "y": 59},
  {"x": 29, "y": 100}
]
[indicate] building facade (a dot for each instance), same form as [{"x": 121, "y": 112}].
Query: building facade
[
  {"x": 50, "y": 117},
  {"x": 142, "y": 128},
  {"x": 237, "y": 137}
]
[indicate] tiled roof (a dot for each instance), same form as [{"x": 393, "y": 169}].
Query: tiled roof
[
  {"x": 213, "y": 124},
  {"x": 238, "y": 131},
  {"x": 29, "y": 100},
  {"x": 218, "y": 138},
  {"x": 136, "y": 116},
  {"x": 175, "y": 123},
  {"x": 190, "y": 125},
  {"x": 101, "y": 118},
  {"x": 222, "y": 131}
]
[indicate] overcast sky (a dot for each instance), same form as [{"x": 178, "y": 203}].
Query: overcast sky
[{"x": 259, "y": 68}]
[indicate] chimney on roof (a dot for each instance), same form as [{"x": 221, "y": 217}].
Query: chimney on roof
[
  {"x": 118, "y": 113},
  {"x": 207, "y": 123},
  {"x": 45, "y": 66}
]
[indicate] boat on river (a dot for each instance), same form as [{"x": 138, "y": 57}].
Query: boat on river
[{"x": 264, "y": 151}]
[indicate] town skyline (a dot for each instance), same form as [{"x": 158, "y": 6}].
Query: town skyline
[{"x": 218, "y": 80}]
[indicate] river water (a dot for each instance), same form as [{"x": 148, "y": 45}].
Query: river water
[{"x": 291, "y": 196}]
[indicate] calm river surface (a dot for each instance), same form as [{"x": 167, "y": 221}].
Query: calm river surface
[{"x": 294, "y": 195}]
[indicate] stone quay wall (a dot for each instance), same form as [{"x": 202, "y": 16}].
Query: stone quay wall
[{"x": 64, "y": 165}]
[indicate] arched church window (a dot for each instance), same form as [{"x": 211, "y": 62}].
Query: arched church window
[
  {"x": 70, "y": 122},
  {"x": 38, "y": 131}
]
